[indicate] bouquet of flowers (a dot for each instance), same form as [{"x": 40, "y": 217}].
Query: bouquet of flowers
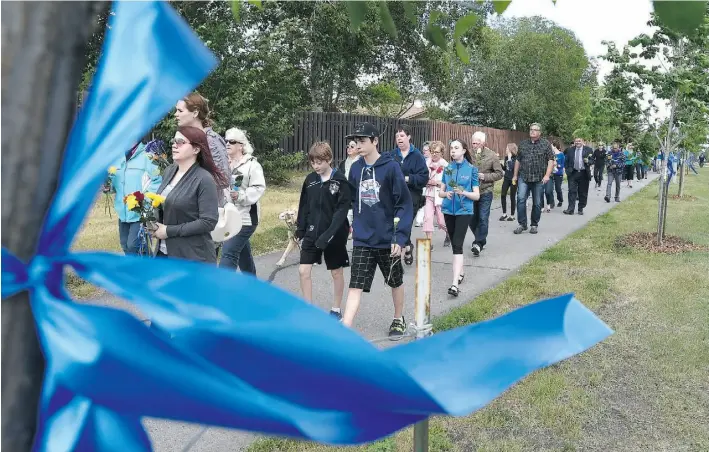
[
  {"x": 107, "y": 188},
  {"x": 236, "y": 180},
  {"x": 144, "y": 204},
  {"x": 159, "y": 155}
]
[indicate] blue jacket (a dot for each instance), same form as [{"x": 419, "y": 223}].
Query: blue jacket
[
  {"x": 414, "y": 166},
  {"x": 137, "y": 174},
  {"x": 379, "y": 195},
  {"x": 560, "y": 162},
  {"x": 465, "y": 175}
]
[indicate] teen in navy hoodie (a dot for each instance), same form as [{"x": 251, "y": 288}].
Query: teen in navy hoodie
[
  {"x": 383, "y": 216},
  {"x": 413, "y": 165}
]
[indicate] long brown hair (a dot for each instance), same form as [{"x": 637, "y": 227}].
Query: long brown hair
[
  {"x": 204, "y": 157},
  {"x": 196, "y": 102}
]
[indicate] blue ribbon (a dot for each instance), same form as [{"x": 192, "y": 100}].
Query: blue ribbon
[{"x": 225, "y": 348}]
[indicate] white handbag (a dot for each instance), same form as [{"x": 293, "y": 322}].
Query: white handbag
[{"x": 229, "y": 223}]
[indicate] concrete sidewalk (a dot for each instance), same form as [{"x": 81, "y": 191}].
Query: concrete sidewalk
[{"x": 504, "y": 254}]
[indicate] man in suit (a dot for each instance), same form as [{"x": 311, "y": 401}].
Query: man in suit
[{"x": 579, "y": 159}]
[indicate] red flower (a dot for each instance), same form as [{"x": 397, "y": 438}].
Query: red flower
[
  {"x": 439, "y": 170},
  {"x": 139, "y": 196}
]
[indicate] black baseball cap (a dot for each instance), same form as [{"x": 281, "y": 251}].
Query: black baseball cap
[{"x": 364, "y": 129}]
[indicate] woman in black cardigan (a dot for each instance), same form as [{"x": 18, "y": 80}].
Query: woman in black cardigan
[{"x": 190, "y": 211}]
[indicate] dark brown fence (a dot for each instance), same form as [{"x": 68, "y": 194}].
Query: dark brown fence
[{"x": 333, "y": 127}]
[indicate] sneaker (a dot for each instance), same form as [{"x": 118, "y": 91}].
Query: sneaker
[
  {"x": 512, "y": 218},
  {"x": 447, "y": 241},
  {"x": 533, "y": 230},
  {"x": 608, "y": 199},
  {"x": 335, "y": 314},
  {"x": 520, "y": 229},
  {"x": 397, "y": 328},
  {"x": 616, "y": 200},
  {"x": 580, "y": 211},
  {"x": 559, "y": 204},
  {"x": 568, "y": 212},
  {"x": 503, "y": 217},
  {"x": 475, "y": 249}
]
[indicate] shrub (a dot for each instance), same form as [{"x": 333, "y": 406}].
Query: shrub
[{"x": 277, "y": 164}]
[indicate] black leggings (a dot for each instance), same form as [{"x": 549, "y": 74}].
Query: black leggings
[
  {"x": 457, "y": 226},
  {"x": 507, "y": 185}
]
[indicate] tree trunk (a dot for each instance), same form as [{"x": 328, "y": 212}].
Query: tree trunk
[
  {"x": 42, "y": 58},
  {"x": 680, "y": 174}
]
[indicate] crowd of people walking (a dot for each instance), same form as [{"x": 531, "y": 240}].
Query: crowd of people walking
[{"x": 373, "y": 198}]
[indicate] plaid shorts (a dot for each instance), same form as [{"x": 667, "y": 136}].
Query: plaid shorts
[{"x": 364, "y": 265}]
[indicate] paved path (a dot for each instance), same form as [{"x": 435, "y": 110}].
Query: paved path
[{"x": 504, "y": 254}]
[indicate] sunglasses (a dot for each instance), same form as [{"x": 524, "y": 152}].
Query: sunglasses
[
  {"x": 179, "y": 142},
  {"x": 234, "y": 142}
]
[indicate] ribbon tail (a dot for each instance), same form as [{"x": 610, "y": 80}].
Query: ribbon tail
[{"x": 467, "y": 368}]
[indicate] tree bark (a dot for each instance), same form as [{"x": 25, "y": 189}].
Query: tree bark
[
  {"x": 682, "y": 167},
  {"x": 42, "y": 58}
]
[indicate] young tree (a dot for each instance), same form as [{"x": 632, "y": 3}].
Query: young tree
[{"x": 681, "y": 79}]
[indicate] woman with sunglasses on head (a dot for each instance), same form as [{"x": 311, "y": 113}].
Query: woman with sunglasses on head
[
  {"x": 345, "y": 165},
  {"x": 459, "y": 188},
  {"x": 193, "y": 111},
  {"x": 247, "y": 186},
  {"x": 191, "y": 207},
  {"x": 436, "y": 165}
]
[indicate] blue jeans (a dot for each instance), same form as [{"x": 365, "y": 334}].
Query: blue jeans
[
  {"x": 236, "y": 252},
  {"x": 536, "y": 189},
  {"x": 129, "y": 236},
  {"x": 481, "y": 219}
]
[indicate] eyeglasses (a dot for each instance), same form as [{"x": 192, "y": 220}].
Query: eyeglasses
[
  {"x": 178, "y": 141},
  {"x": 535, "y": 130},
  {"x": 234, "y": 142},
  {"x": 435, "y": 152}
]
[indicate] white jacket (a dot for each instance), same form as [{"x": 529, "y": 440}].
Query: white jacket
[
  {"x": 253, "y": 186},
  {"x": 438, "y": 176}
]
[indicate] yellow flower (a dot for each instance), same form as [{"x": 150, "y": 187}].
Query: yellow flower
[
  {"x": 112, "y": 170},
  {"x": 157, "y": 199},
  {"x": 396, "y": 220},
  {"x": 130, "y": 202}
]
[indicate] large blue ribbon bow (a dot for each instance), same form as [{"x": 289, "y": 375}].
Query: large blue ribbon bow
[{"x": 237, "y": 352}]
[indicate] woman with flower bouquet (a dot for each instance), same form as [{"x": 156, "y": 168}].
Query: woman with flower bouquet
[
  {"x": 191, "y": 207},
  {"x": 459, "y": 188},
  {"x": 134, "y": 172},
  {"x": 436, "y": 165}
]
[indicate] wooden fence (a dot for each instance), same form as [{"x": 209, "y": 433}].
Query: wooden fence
[{"x": 333, "y": 127}]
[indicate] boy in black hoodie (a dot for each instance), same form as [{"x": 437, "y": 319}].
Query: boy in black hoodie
[
  {"x": 322, "y": 223},
  {"x": 383, "y": 215}
]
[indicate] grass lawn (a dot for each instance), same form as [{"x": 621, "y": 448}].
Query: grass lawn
[
  {"x": 644, "y": 388},
  {"x": 100, "y": 231}
]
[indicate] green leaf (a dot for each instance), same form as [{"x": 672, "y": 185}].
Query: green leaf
[
  {"x": 462, "y": 52},
  {"x": 436, "y": 35},
  {"x": 501, "y": 6},
  {"x": 410, "y": 11},
  {"x": 464, "y": 24},
  {"x": 235, "y": 5},
  {"x": 357, "y": 11},
  {"x": 683, "y": 17},
  {"x": 387, "y": 21},
  {"x": 257, "y": 3}
]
